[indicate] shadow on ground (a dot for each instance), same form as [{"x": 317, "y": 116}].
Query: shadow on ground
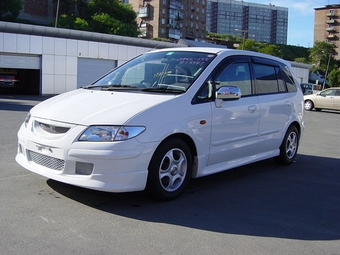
[{"x": 301, "y": 201}]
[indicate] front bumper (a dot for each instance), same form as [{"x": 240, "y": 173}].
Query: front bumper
[{"x": 107, "y": 166}]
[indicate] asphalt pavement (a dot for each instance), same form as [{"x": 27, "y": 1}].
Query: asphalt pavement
[{"x": 262, "y": 208}]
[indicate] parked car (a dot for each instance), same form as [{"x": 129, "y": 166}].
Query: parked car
[
  {"x": 147, "y": 126},
  {"x": 327, "y": 99},
  {"x": 309, "y": 88},
  {"x": 8, "y": 79}
]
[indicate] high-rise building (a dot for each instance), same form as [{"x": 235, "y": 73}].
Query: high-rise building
[
  {"x": 327, "y": 25},
  {"x": 263, "y": 23},
  {"x": 171, "y": 19}
]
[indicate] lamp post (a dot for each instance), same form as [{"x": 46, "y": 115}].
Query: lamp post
[
  {"x": 324, "y": 80},
  {"x": 57, "y": 14},
  {"x": 244, "y": 35}
]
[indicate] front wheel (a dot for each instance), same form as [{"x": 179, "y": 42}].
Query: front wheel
[
  {"x": 289, "y": 146},
  {"x": 309, "y": 105},
  {"x": 169, "y": 170}
]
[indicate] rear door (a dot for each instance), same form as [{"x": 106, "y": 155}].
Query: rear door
[
  {"x": 274, "y": 89},
  {"x": 337, "y": 100}
]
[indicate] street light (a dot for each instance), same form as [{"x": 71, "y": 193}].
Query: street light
[
  {"x": 244, "y": 35},
  {"x": 57, "y": 14}
]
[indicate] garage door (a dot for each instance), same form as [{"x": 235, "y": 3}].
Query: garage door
[
  {"x": 19, "y": 61},
  {"x": 89, "y": 70}
]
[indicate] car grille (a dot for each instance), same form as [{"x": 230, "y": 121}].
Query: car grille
[
  {"x": 53, "y": 129},
  {"x": 46, "y": 161}
]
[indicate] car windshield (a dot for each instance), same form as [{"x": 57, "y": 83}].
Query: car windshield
[{"x": 160, "y": 72}]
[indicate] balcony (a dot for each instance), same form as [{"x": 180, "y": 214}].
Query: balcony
[
  {"x": 330, "y": 14},
  {"x": 330, "y": 21},
  {"x": 144, "y": 12},
  {"x": 331, "y": 36},
  {"x": 330, "y": 29}
]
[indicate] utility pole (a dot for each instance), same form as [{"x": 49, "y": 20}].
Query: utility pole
[{"x": 244, "y": 32}]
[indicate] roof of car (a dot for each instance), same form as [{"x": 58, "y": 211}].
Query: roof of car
[{"x": 215, "y": 50}]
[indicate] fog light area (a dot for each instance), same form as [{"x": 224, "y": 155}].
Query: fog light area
[{"x": 84, "y": 168}]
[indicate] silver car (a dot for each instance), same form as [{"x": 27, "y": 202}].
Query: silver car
[{"x": 327, "y": 99}]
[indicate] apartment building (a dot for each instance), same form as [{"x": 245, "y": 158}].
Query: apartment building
[
  {"x": 260, "y": 22},
  {"x": 171, "y": 19},
  {"x": 327, "y": 25}
]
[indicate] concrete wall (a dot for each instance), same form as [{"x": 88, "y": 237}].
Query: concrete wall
[{"x": 59, "y": 56}]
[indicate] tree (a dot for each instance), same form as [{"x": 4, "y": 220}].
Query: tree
[
  {"x": 271, "y": 49},
  {"x": 10, "y": 9},
  {"x": 321, "y": 54},
  {"x": 334, "y": 78},
  {"x": 103, "y": 16}
]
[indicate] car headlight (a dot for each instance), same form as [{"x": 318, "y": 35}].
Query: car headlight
[
  {"x": 27, "y": 119},
  {"x": 110, "y": 133}
]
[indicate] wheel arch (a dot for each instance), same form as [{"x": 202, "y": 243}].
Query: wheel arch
[
  {"x": 191, "y": 144},
  {"x": 298, "y": 127}
]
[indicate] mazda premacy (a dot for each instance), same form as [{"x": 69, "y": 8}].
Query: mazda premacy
[{"x": 165, "y": 117}]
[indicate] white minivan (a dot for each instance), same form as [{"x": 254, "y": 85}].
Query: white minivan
[{"x": 164, "y": 117}]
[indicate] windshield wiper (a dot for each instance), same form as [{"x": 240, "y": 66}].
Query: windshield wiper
[
  {"x": 117, "y": 86},
  {"x": 171, "y": 89},
  {"x": 110, "y": 87}
]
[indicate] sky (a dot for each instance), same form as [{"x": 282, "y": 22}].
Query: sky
[{"x": 300, "y": 18}]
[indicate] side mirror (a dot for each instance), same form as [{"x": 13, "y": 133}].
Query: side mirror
[{"x": 228, "y": 93}]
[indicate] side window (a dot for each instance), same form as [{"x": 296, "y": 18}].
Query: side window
[
  {"x": 337, "y": 93},
  {"x": 266, "y": 81},
  {"x": 235, "y": 74},
  {"x": 280, "y": 80},
  {"x": 330, "y": 92},
  {"x": 288, "y": 77}
]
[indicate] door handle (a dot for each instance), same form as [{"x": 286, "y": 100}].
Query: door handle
[{"x": 252, "y": 108}]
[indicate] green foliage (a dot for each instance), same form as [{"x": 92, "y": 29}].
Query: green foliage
[
  {"x": 334, "y": 78},
  {"x": 301, "y": 60},
  {"x": 319, "y": 54},
  {"x": 223, "y": 37},
  {"x": 271, "y": 49},
  {"x": 161, "y": 39},
  {"x": 291, "y": 53},
  {"x": 10, "y": 9},
  {"x": 71, "y": 22},
  {"x": 103, "y": 16}
]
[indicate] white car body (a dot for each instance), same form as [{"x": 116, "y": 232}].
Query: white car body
[{"x": 221, "y": 134}]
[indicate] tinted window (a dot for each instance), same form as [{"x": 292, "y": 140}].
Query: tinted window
[
  {"x": 235, "y": 74},
  {"x": 288, "y": 77},
  {"x": 266, "y": 80}
]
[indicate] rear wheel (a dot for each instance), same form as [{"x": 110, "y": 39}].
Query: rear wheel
[
  {"x": 289, "y": 146},
  {"x": 309, "y": 105},
  {"x": 169, "y": 170}
]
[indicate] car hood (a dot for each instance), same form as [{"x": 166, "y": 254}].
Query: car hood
[{"x": 90, "y": 107}]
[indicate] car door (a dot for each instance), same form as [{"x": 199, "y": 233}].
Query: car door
[
  {"x": 273, "y": 87},
  {"x": 336, "y": 102},
  {"x": 234, "y": 122},
  {"x": 325, "y": 100}
]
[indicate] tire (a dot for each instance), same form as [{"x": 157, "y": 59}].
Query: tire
[
  {"x": 169, "y": 170},
  {"x": 289, "y": 147},
  {"x": 309, "y": 105}
]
